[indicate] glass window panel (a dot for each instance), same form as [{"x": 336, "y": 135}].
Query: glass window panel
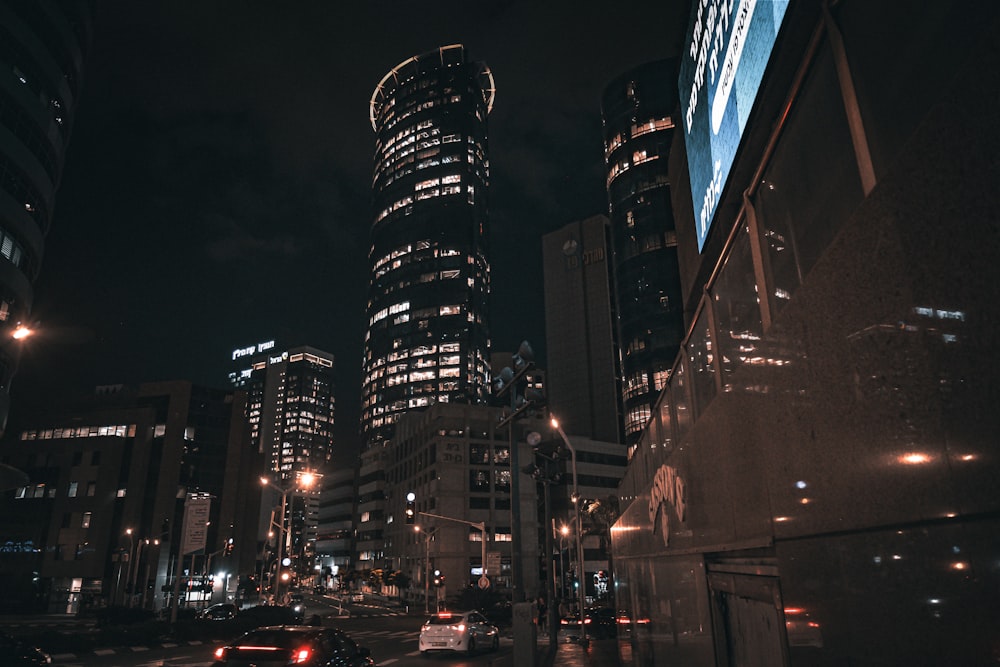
[
  {"x": 737, "y": 309},
  {"x": 680, "y": 400},
  {"x": 701, "y": 355},
  {"x": 811, "y": 185}
]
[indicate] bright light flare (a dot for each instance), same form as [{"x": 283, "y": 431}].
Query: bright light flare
[{"x": 21, "y": 332}]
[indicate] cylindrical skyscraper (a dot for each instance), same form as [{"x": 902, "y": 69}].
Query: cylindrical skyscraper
[
  {"x": 428, "y": 326},
  {"x": 638, "y": 128}
]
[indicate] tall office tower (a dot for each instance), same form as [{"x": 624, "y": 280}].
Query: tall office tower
[
  {"x": 290, "y": 408},
  {"x": 580, "y": 331},
  {"x": 428, "y": 327},
  {"x": 638, "y": 129},
  {"x": 41, "y": 60}
]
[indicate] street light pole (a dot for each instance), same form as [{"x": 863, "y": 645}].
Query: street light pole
[
  {"x": 128, "y": 570},
  {"x": 579, "y": 528},
  {"x": 427, "y": 566},
  {"x": 306, "y": 480}
]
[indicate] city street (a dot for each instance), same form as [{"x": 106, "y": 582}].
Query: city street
[{"x": 391, "y": 636}]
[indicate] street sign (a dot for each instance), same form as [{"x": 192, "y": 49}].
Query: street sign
[
  {"x": 484, "y": 582},
  {"x": 493, "y": 562}
]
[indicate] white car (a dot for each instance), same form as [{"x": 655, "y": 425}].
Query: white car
[{"x": 458, "y": 631}]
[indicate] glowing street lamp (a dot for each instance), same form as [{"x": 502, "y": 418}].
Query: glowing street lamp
[
  {"x": 579, "y": 526},
  {"x": 22, "y": 331},
  {"x": 304, "y": 480}
]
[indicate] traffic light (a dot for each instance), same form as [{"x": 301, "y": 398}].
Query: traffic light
[
  {"x": 229, "y": 547},
  {"x": 411, "y": 508}
]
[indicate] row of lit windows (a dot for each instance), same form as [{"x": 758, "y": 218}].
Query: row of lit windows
[
  {"x": 637, "y": 130},
  {"x": 425, "y": 190},
  {"x": 395, "y": 261},
  {"x": 119, "y": 431},
  {"x": 636, "y": 418},
  {"x": 624, "y": 164},
  {"x": 426, "y": 154},
  {"x": 391, "y": 119}
]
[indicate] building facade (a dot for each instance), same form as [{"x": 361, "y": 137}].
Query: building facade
[
  {"x": 335, "y": 537},
  {"x": 817, "y": 485},
  {"x": 580, "y": 330},
  {"x": 291, "y": 411},
  {"x": 427, "y": 335},
  {"x": 637, "y": 110},
  {"x": 457, "y": 464},
  {"x": 42, "y": 48},
  {"x": 102, "y": 519}
]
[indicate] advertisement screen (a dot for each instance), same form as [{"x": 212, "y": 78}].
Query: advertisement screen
[{"x": 729, "y": 43}]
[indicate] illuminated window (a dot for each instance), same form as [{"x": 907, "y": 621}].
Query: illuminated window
[
  {"x": 72, "y": 489},
  {"x": 85, "y": 523}
]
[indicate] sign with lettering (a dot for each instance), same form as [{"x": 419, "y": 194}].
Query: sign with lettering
[
  {"x": 196, "y": 516},
  {"x": 729, "y": 44},
  {"x": 251, "y": 350},
  {"x": 666, "y": 497}
]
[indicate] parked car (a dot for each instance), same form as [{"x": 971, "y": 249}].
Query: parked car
[
  {"x": 218, "y": 612},
  {"x": 300, "y": 645},
  {"x": 17, "y": 653},
  {"x": 458, "y": 631}
]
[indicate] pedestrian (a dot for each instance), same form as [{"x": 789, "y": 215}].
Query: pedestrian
[{"x": 540, "y": 605}]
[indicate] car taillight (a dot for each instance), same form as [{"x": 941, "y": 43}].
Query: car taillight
[
  {"x": 220, "y": 653},
  {"x": 586, "y": 621},
  {"x": 301, "y": 655},
  {"x": 460, "y": 627}
]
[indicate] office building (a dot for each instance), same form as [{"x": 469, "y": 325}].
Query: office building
[
  {"x": 291, "y": 412},
  {"x": 457, "y": 464},
  {"x": 817, "y": 484},
  {"x": 427, "y": 335},
  {"x": 637, "y": 110},
  {"x": 102, "y": 519},
  {"x": 42, "y": 47},
  {"x": 580, "y": 330},
  {"x": 335, "y": 530}
]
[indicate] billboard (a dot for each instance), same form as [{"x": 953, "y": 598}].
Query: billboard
[{"x": 729, "y": 43}]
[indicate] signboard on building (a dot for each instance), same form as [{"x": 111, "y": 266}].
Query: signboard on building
[
  {"x": 729, "y": 44},
  {"x": 196, "y": 517}
]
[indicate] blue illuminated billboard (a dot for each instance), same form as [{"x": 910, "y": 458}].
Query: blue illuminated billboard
[{"x": 729, "y": 43}]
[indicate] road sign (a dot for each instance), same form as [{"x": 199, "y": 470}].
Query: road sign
[
  {"x": 493, "y": 562},
  {"x": 484, "y": 582}
]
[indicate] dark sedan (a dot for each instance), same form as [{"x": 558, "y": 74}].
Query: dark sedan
[{"x": 300, "y": 645}]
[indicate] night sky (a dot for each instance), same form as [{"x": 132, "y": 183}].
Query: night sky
[{"x": 216, "y": 191}]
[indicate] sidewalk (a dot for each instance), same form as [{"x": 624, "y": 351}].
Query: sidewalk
[{"x": 598, "y": 653}]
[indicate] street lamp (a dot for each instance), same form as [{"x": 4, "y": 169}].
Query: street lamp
[
  {"x": 304, "y": 480},
  {"x": 579, "y": 527},
  {"x": 135, "y": 569},
  {"x": 128, "y": 571}
]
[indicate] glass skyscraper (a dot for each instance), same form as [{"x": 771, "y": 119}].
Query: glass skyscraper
[
  {"x": 638, "y": 129},
  {"x": 427, "y": 322}
]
